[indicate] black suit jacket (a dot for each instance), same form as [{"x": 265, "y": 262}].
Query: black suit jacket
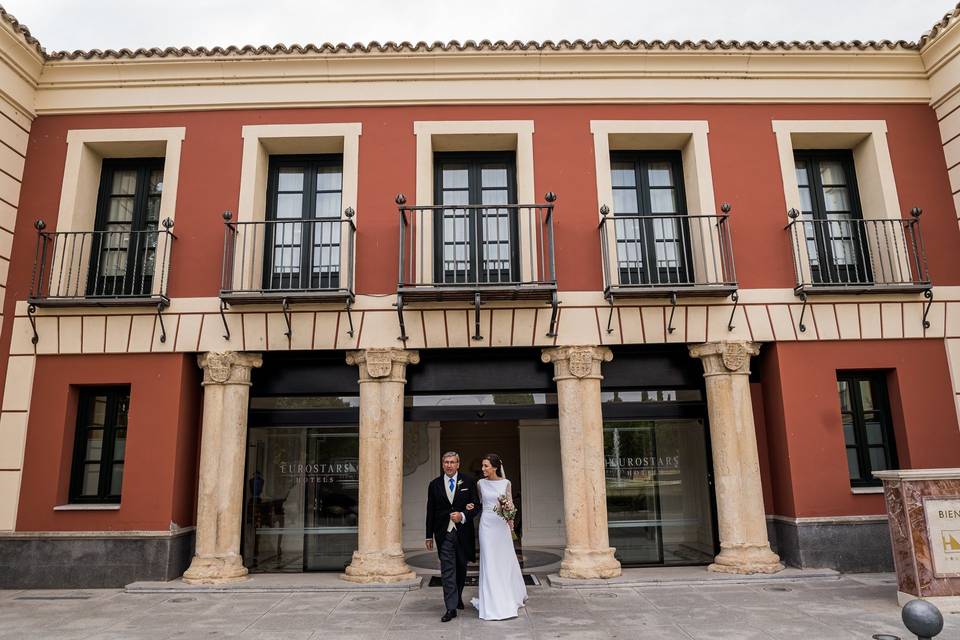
[{"x": 439, "y": 509}]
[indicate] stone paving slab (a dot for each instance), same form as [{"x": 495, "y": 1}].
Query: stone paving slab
[
  {"x": 844, "y": 607},
  {"x": 274, "y": 582}
]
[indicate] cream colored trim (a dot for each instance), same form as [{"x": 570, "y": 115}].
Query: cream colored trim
[
  {"x": 854, "y": 520},
  {"x": 262, "y": 141},
  {"x": 875, "y": 180},
  {"x": 858, "y": 491},
  {"x": 472, "y": 135},
  {"x": 690, "y": 138},
  {"x": 87, "y": 507},
  {"x": 506, "y": 77},
  {"x": 86, "y": 149},
  {"x": 17, "y": 393}
]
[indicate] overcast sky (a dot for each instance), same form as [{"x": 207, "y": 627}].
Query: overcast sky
[{"x": 103, "y": 24}]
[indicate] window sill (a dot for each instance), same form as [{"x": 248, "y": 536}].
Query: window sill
[
  {"x": 865, "y": 490},
  {"x": 87, "y": 507}
]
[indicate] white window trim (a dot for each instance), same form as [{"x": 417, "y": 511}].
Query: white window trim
[
  {"x": 86, "y": 150},
  {"x": 259, "y": 142},
  {"x": 876, "y": 185},
  {"x": 687, "y": 136},
  {"x": 473, "y": 135}
]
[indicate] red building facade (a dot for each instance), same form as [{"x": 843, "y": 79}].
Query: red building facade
[{"x": 694, "y": 295}]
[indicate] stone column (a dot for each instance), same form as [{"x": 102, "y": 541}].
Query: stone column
[
  {"x": 226, "y": 395},
  {"x": 379, "y": 554},
  {"x": 744, "y": 546},
  {"x": 577, "y": 373}
]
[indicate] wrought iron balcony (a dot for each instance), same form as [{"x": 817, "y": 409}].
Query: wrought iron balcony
[
  {"x": 288, "y": 260},
  {"x": 841, "y": 255},
  {"x": 667, "y": 255},
  {"x": 851, "y": 255},
  {"x": 104, "y": 268},
  {"x": 477, "y": 252}
]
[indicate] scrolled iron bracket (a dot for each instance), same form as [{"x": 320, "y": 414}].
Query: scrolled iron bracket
[
  {"x": 803, "y": 310},
  {"x": 928, "y": 294},
  {"x": 610, "y": 315},
  {"x": 476, "y": 317},
  {"x": 31, "y": 310},
  {"x": 163, "y": 329},
  {"x": 403, "y": 337},
  {"x": 287, "y": 318},
  {"x": 673, "y": 309},
  {"x": 350, "y": 316},
  {"x": 223, "y": 317},
  {"x": 735, "y": 297},
  {"x": 554, "y": 315}
]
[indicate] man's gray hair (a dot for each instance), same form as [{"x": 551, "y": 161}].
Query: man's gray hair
[{"x": 450, "y": 454}]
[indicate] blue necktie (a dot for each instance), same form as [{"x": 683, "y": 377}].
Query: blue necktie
[{"x": 451, "y": 485}]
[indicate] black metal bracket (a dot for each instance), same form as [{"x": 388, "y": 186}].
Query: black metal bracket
[
  {"x": 223, "y": 317},
  {"x": 735, "y": 296},
  {"x": 803, "y": 310},
  {"x": 350, "y": 316},
  {"x": 610, "y": 315},
  {"x": 673, "y": 309},
  {"x": 928, "y": 294},
  {"x": 403, "y": 328},
  {"x": 163, "y": 329},
  {"x": 476, "y": 317},
  {"x": 32, "y": 309},
  {"x": 286, "y": 316},
  {"x": 555, "y": 311}
]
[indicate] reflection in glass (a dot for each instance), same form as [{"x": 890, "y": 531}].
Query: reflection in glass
[
  {"x": 301, "y": 498},
  {"x": 658, "y": 496}
]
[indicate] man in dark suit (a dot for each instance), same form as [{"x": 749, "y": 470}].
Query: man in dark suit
[{"x": 451, "y": 502}]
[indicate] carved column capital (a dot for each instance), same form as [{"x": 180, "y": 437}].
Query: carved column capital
[
  {"x": 726, "y": 357},
  {"x": 383, "y": 365},
  {"x": 580, "y": 363},
  {"x": 228, "y": 367}
]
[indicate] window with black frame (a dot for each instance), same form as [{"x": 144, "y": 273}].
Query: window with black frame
[
  {"x": 652, "y": 232},
  {"x": 833, "y": 222},
  {"x": 477, "y": 244},
  {"x": 124, "y": 246},
  {"x": 100, "y": 444},
  {"x": 867, "y": 427},
  {"x": 304, "y": 223}
]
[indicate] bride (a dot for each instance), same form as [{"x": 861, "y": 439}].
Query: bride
[{"x": 502, "y": 591}]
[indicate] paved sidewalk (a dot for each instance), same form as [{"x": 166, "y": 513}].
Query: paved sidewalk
[{"x": 854, "y": 606}]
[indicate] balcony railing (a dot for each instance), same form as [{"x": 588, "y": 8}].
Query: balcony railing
[
  {"x": 104, "y": 268},
  {"x": 289, "y": 260},
  {"x": 667, "y": 255},
  {"x": 477, "y": 252},
  {"x": 849, "y": 255}
]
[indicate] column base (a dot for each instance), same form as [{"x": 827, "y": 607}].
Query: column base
[
  {"x": 215, "y": 570},
  {"x": 589, "y": 564},
  {"x": 382, "y": 568},
  {"x": 746, "y": 559}
]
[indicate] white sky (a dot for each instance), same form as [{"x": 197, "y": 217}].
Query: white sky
[{"x": 103, "y": 24}]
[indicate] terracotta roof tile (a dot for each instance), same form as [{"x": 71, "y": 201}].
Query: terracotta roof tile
[{"x": 482, "y": 45}]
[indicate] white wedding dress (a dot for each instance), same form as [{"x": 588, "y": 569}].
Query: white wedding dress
[{"x": 502, "y": 591}]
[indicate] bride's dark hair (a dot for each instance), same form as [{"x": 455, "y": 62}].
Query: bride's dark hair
[{"x": 495, "y": 462}]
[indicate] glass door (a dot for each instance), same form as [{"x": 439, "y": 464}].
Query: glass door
[
  {"x": 659, "y": 498},
  {"x": 301, "y": 498}
]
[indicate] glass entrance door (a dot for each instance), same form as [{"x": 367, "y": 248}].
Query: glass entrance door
[
  {"x": 659, "y": 504},
  {"x": 301, "y": 498}
]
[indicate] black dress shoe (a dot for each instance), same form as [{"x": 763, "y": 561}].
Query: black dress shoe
[
  {"x": 460, "y": 605},
  {"x": 449, "y": 615}
]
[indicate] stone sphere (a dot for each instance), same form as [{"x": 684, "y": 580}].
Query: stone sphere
[{"x": 922, "y": 618}]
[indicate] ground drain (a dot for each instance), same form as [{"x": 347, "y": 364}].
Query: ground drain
[
  {"x": 180, "y": 600},
  {"x": 778, "y": 589}
]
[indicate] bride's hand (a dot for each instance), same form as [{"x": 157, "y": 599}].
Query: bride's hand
[{"x": 470, "y": 507}]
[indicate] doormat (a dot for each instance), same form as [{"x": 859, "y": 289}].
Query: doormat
[{"x": 474, "y": 581}]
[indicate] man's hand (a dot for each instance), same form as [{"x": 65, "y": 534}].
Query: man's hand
[
  {"x": 428, "y": 544},
  {"x": 456, "y": 516},
  {"x": 470, "y": 507}
]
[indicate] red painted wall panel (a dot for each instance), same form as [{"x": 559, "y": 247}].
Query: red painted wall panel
[
  {"x": 160, "y": 470},
  {"x": 807, "y": 458}
]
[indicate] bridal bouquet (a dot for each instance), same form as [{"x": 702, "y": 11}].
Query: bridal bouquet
[{"x": 506, "y": 510}]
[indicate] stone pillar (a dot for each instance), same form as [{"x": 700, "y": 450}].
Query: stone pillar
[
  {"x": 379, "y": 554},
  {"x": 577, "y": 373},
  {"x": 744, "y": 546},
  {"x": 226, "y": 395}
]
